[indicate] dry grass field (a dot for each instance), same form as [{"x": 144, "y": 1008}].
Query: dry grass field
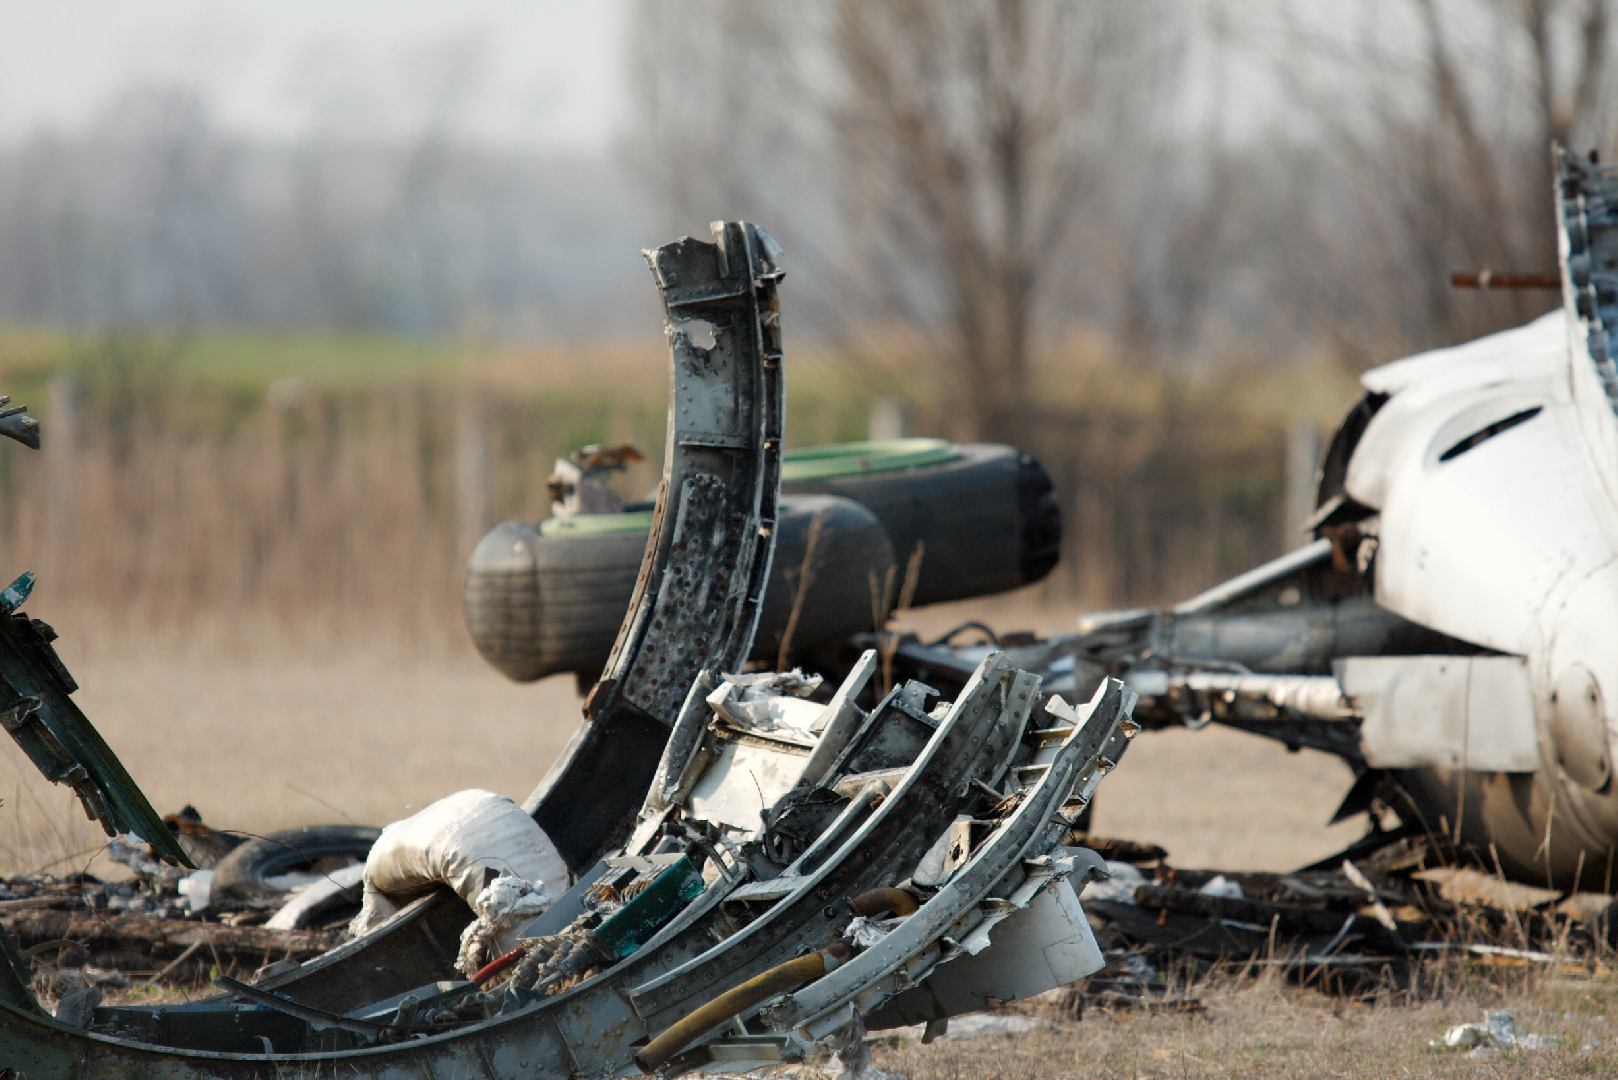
[{"x": 1264, "y": 1029}]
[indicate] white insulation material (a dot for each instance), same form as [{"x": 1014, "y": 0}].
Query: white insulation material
[
  {"x": 456, "y": 841},
  {"x": 506, "y": 903}
]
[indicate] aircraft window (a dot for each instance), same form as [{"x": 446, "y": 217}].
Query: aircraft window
[{"x": 1484, "y": 434}]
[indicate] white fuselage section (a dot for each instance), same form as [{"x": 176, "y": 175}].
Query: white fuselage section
[{"x": 1508, "y": 540}]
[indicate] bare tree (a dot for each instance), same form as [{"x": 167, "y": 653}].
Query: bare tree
[
  {"x": 157, "y": 216},
  {"x": 973, "y": 135},
  {"x": 961, "y": 170},
  {"x": 714, "y": 85},
  {"x": 731, "y": 121},
  {"x": 1437, "y": 120},
  {"x": 960, "y": 142}
]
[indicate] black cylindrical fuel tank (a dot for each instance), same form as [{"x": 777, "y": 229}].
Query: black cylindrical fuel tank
[
  {"x": 544, "y": 599},
  {"x": 984, "y": 515},
  {"x": 547, "y": 598}
]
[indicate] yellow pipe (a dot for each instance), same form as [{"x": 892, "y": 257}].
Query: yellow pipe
[
  {"x": 737, "y": 1000},
  {"x": 895, "y": 901}
]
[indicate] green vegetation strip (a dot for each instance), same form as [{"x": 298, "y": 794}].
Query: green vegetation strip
[
  {"x": 596, "y": 524},
  {"x": 860, "y": 458}
]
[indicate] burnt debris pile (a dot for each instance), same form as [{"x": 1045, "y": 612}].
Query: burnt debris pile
[{"x": 1344, "y": 925}]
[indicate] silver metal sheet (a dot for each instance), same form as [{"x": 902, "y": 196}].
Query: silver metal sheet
[
  {"x": 747, "y": 777},
  {"x": 1472, "y": 712},
  {"x": 1037, "y": 948}
]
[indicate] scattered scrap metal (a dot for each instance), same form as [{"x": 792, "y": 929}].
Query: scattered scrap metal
[
  {"x": 1357, "y": 922},
  {"x": 1328, "y": 924},
  {"x": 166, "y": 925}
]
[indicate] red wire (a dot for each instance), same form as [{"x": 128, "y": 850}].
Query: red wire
[{"x": 495, "y": 967}]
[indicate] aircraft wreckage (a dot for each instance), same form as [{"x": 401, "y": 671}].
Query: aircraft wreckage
[
  {"x": 1446, "y": 633},
  {"x": 904, "y": 861},
  {"x": 746, "y": 874}
]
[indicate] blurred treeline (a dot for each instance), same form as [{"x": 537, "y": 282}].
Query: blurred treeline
[{"x": 1152, "y": 243}]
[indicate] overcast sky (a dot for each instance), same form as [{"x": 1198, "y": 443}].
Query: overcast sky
[{"x": 517, "y": 72}]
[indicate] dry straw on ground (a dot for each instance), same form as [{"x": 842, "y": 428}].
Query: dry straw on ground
[
  {"x": 337, "y": 488},
  {"x": 1266, "y": 1030}
]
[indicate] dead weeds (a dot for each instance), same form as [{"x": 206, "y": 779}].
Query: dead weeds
[{"x": 1258, "y": 1026}]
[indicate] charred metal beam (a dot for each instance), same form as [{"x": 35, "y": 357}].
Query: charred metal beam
[{"x": 697, "y": 600}]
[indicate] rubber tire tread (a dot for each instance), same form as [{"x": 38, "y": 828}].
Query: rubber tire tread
[
  {"x": 986, "y": 523},
  {"x": 239, "y": 877}
]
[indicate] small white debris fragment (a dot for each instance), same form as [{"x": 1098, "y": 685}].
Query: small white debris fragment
[
  {"x": 505, "y": 903},
  {"x": 1129, "y": 968},
  {"x": 197, "y": 888},
  {"x": 864, "y": 932},
  {"x": 1584, "y": 906},
  {"x": 1463, "y": 1037},
  {"x": 763, "y": 684},
  {"x": 1497, "y": 1032},
  {"x": 1460, "y": 885},
  {"x": 313, "y": 899},
  {"x": 975, "y": 1025},
  {"x": 1221, "y": 886},
  {"x": 129, "y": 850},
  {"x": 971, "y": 1026},
  {"x": 1119, "y": 888}
]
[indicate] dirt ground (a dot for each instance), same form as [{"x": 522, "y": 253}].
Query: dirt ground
[{"x": 261, "y": 736}]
